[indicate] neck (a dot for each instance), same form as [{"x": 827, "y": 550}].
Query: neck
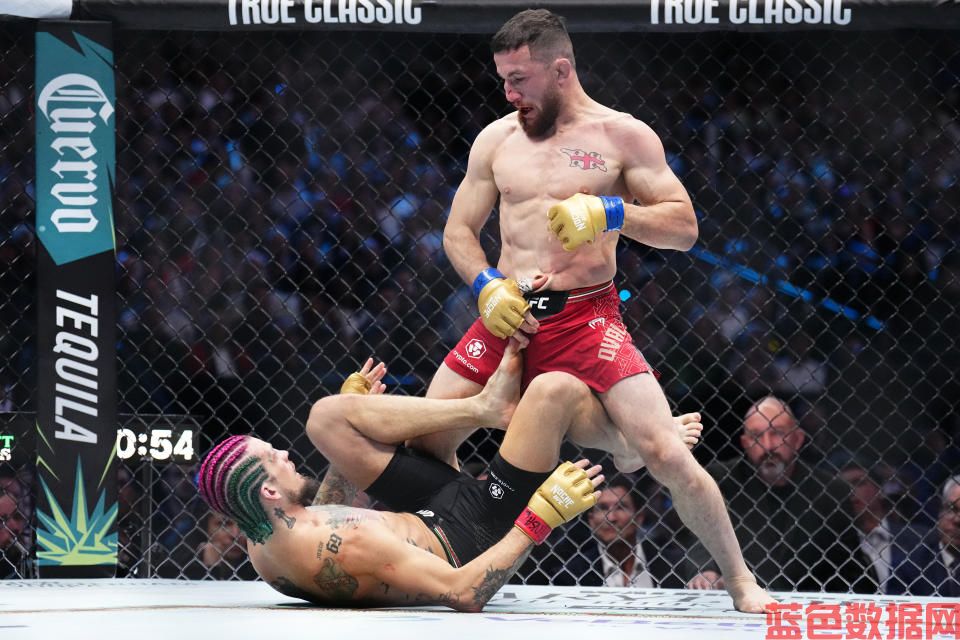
[
  {"x": 574, "y": 102},
  {"x": 285, "y": 517},
  {"x": 869, "y": 522}
]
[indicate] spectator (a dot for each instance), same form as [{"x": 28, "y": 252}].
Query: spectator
[
  {"x": 14, "y": 515},
  {"x": 217, "y": 552},
  {"x": 622, "y": 553},
  {"x": 884, "y": 540},
  {"x": 932, "y": 565},
  {"x": 792, "y": 520}
]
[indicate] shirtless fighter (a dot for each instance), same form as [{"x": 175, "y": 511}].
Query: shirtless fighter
[
  {"x": 567, "y": 171},
  {"x": 466, "y": 537}
]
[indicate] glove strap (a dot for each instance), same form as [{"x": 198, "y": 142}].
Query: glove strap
[
  {"x": 613, "y": 205},
  {"x": 486, "y": 276},
  {"x": 533, "y": 525}
]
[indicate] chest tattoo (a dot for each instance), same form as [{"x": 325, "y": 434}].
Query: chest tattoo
[
  {"x": 334, "y": 582},
  {"x": 585, "y": 160},
  {"x": 333, "y": 544}
]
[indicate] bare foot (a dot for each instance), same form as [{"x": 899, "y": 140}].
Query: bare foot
[
  {"x": 501, "y": 394},
  {"x": 747, "y": 595},
  {"x": 689, "y": 427}
]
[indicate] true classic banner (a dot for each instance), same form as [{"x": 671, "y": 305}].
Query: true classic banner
[
  {"x": 485, "y": 16},
  {"x": 76, "y": 394}
]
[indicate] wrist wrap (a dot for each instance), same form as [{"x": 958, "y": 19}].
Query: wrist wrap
[
  {"x": 613, "y": 205},
  {"x": 533, "y": 525},
  {"x": 486, "y": 276}
]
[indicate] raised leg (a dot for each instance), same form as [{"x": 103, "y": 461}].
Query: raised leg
[{"x": 443, "y": 446}]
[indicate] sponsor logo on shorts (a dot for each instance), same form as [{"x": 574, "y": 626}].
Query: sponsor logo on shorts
[
  {"x": 539, "y": 302},
  {"x": 476, "y": 348},
  {"x": 464, "y": 361},
  {"x": 561, "y": 497},
  {"x": 613, "y": 339},
  {"x": 500, "y": 480},
  {"x": 426, "y": 513},
  {"x": 496, "y": 491},
  {"x": 597, "y": 322}
]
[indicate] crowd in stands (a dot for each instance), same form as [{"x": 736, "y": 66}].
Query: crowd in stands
[{"x": 279, "y": 217}]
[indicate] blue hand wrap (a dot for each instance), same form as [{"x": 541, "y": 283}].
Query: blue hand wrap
[
  {"x": 613, "y": 205},
  {"x": 486, "y": 276}
]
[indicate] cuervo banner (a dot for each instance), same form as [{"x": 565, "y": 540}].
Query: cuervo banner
[{"x": 76, "y": 395}]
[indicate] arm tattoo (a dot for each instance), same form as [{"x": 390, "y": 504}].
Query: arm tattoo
[
  {"x": 334, "y": 582},
  {"x": 448, "y": 599},
  {"x": 494, "y": 579},
  {"x": 335, "y": 489},
  {"x": 287, "y": 520},
  {"x": 287, "y": 588}
]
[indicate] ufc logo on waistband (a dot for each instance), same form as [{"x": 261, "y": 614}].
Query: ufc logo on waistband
[{"x": 540, "y": 303}]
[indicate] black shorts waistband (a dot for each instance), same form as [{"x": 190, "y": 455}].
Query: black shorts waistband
[{"x": 546, "y": 303}]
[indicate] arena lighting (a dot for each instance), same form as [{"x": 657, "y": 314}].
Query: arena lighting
[{"x": 783, "y": 286}]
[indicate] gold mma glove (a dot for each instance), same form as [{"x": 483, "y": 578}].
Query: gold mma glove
[
  {"x": 581, "y": 218},
  {"x": 501, "y": 304},
  {"x": 567, "y": 493},
  {"x": 356, "y": 383}
]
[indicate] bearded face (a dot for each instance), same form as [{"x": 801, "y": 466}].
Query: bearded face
[
  {"x": 304, "y": 497},
  {"x": 537, "y": 121}
]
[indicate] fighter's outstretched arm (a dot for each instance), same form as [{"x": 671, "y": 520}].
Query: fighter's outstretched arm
[{"x": 430, "y": 580}]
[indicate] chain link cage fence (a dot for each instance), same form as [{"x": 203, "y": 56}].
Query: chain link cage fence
[{"x": 281, "y": 204}]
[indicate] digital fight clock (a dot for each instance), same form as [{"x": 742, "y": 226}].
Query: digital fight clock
[{"x": 168, "y": 443}]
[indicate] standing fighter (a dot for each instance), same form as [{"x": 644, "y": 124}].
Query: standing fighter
[{"x": 567, "y": 170}]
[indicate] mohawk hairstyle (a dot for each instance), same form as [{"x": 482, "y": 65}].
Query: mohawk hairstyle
[{"x": 231, "y": 485}]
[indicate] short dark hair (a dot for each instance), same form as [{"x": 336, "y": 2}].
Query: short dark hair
[
  {"x": 543, "y": 31},
  {"x": 629, "y": 490}
]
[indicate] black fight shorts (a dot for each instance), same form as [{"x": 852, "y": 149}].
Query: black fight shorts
[{"x": 467, "y": 515}]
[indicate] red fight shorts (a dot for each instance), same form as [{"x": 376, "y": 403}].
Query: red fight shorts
[{"x": 586, "y": 339}]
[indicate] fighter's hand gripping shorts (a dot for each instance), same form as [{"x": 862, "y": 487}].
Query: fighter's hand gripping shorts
[{"x": 586, "y": 338}]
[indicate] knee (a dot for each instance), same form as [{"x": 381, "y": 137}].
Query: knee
[
  {"x": 557, "y": 386},
  {"x": 325, "y": 417},
  {"x": 670, "y": 462}
]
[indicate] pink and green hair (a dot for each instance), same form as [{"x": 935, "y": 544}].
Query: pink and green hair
[{"x": 230, "y": 482}]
